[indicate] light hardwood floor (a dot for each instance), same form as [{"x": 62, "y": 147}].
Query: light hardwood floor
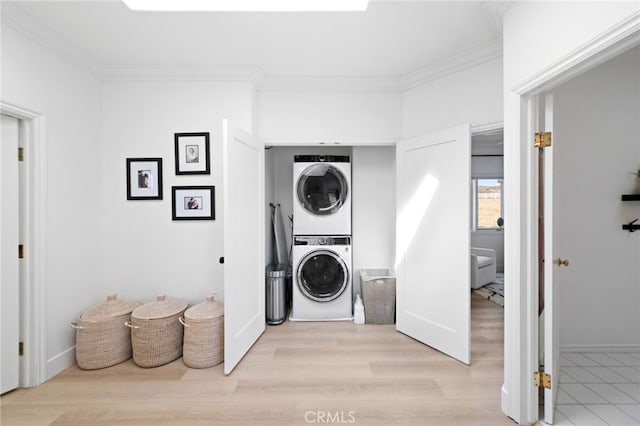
[{"x": 296, "y": 374}]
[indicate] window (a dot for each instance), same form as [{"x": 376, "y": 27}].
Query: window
[{"x": 487, "y": 203}]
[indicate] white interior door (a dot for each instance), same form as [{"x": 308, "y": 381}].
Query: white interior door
[
  {"x": 244, "y": 243},
  {"x": 432, "y": 240},
  {"x": 551, "y": 269},
  {"x": 9, "y": 269}
]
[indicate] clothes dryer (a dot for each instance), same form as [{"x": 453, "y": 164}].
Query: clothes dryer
[
  {"x": 322, "y": 278},
  {"x": 322, "y": 195}
]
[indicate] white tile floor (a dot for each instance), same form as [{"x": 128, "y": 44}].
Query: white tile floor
[{"x": 599, "y": 389}]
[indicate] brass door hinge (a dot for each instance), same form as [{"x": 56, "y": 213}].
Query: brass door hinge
[
  {"x": 21, "y": 349},
  {"x": 20, "y": 154},
  {"x": 543, "y": 140},
  {"x": 20, "y": 251},
  {"x": 542, "y": 379}
]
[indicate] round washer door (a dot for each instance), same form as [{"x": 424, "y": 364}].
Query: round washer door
[
  {"x": 322, "y": 275},
  {"x": 322, "y": 189}
]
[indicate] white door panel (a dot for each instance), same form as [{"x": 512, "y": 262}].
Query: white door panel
[
  {"x": 244, "y": 243},
  {"x": 551, "y": 270},
  {"x": 9, "y": 269},
  {"x": 432, "y": 233}
]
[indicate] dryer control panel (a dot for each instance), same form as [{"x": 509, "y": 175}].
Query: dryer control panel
[{"x": 321, "y": 241}]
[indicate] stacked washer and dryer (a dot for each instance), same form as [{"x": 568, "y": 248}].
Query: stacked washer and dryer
[{"x": 321, "y": 257}]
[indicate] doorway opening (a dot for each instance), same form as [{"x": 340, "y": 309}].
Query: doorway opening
[
  {"x": 31, "y": 214},
  {"x": 487, "y": 213},
  {"x": 592, "y": 291}
]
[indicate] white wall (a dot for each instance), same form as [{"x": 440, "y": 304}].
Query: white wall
[
  {"x": 148, "y": 253},
  {"x": 470, "y": 96},
  {"x": 269, "y": 195},
  {"x": 374, "y": 209},
  {"x": 597, "y": 144},
  {"x": 300, "y": 117},
  {"x": 567, "y": 26},
  {"x": 37, "y": 79}
]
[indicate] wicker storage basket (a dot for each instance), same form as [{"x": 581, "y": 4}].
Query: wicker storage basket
[
  {"x": 203, "y": 334},
  {"x": 156, "y": 333},
  {"x": 102, "y": 339},
  {"x": 378, "y": 295}
]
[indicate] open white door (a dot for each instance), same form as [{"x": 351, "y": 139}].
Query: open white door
[
  {"x": 551, "y": 265},
  {"x": 432, "y": 240},
  {"x": 9, "y": 268},
  {"x": 244, "y": 245}
]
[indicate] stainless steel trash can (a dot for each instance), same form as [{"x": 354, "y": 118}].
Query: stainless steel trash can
[{"x": 276, "y": 301}]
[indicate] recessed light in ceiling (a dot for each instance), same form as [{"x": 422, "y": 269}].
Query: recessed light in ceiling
[{"x": 248, "y": 5}]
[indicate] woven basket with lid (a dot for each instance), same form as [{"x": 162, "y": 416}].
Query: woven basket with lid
[
  {"x": 156, "y": 333},
  {"x": 203, "y": 334},
  {"x": 102, "y": 338}
]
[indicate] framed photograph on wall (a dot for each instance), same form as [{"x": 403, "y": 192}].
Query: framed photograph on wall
[
  {"x": 192, "y": 153},
  {"x": 193, "y": 202},
  {"x": 144, "y": 178}
]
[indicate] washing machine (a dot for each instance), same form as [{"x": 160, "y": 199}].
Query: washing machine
[
  {"x": 322, "y": 289},
  {"x": 322, "y": 195}
]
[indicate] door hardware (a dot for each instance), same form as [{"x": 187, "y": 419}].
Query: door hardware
[
  {"x": 542, "y": 379},
  {"x": 561, "y": 262},
  {"x": 542, "y": 140}
]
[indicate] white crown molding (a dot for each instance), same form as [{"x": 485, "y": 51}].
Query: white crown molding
[
  {"x": 15, "y": 17},
  {"x": 495, "y": 11},
  {"x": 465, "y": 60},
  {"x": 223, "y": 73},
  {"x": 614, "y": 41},
  {"x": 331, "y": 84},
  {"x": 452, "y": 65},
  {"x": 487, "y": 128}
]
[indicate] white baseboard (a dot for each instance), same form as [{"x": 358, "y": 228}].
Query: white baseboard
[
  {"x": 504, "y": 399},
  {"x": 600, "y": 348},
  {"x": 60, "y": 362}
]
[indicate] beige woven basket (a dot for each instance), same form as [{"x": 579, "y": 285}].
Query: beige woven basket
[
  {"x": 102, "y": 339},
  {"x": 203, "y": 334},
  {"x": 156, "y": 333}
]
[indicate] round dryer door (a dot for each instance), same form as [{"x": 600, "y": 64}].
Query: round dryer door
[
  {"x": 322, "y": 276},
  {"x": 322, "y": 189}
]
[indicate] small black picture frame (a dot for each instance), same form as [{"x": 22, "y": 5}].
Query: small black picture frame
[
  {"x": 144, "y": 178},
  {"x": 193, "y": 203},
  {"x": 192, "y": 153}
]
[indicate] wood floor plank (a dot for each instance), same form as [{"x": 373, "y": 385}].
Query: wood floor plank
[
  {"x": 177, "y": 414},
  {"x": 337, "y": 389},
  {"x": 405, "y": 413},
  {"x": 311, "y": 370},
  {"x": 32, "y": 414},
  {"x": 126, "y": 371},
  {"x": 426, "y": 369},
  {"x": 470, "y": 388},
  {"x": 294, "y": 370}
]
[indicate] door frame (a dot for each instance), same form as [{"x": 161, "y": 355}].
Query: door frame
[
  {"x": 519, "y": 396},
  {"x": 33, "y": 189}
]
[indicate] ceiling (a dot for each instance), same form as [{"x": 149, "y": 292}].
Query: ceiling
[{"x": 390, "y": 39}]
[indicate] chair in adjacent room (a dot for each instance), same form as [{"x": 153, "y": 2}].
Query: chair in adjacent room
[{"x": 483, "y": 266}]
